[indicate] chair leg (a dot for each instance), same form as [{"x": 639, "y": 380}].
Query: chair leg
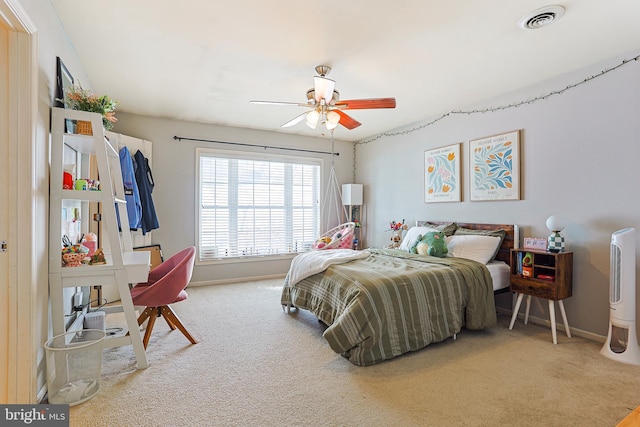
[
  {"x": 152, "y": 321},
  {"x": 148, "y": 311},
  {"x": 171, "y": 317},
  {"x": 146, "y": 314},
  {"x": 170, "y": 323}
]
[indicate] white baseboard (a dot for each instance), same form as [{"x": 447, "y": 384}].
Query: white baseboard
[
  {"x": 236, "y": 280},
  {"x": 559, "y": 326}
]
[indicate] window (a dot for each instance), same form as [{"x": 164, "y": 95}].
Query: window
[{"x": 256, "y": 206}]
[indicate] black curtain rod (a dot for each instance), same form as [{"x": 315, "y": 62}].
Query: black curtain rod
[{"x": 180, "y": 138}]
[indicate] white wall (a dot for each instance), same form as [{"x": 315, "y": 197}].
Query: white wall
[
  {"x": 174, "y": 174},
  {"x": 580, "y": 153},
  {"x": 51, "y": 42}
]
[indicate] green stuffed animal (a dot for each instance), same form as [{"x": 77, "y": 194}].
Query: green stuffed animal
[{"x": 432, "y": 243}]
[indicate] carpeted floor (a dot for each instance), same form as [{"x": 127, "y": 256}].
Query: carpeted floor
[{"x": 257, "y": 366}]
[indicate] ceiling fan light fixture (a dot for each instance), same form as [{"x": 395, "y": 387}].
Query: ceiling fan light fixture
[
  {"x": 330, "y": 126},
  {"x": 333, "y": 119},
  {"x": 325, "y": 107},
  {"x": 312, "y": 119},
  {"x": 324, "y": 89}
]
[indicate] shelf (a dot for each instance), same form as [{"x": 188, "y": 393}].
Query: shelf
[
  {"x": 135, "y": 263},
  {"x": 82, "y": 195},
  {"x": 558, "y": 266},
  {"x": 84, "y": 144},
  {"x": 124, "y": 266},
  {"x": 557, "y": 287}
]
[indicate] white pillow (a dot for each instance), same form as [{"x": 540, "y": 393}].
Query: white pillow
[
  {"x": 477, "y": 248},
  {"x": 412, "y": 235}
]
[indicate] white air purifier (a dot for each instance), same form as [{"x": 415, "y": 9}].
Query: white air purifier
[{"x": 622, "y": 341}]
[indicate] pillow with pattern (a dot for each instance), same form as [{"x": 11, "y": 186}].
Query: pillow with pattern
[{"x": 448, "y": 228}]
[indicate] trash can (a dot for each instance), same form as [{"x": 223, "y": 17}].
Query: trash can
[{"x": 74, "y": 366}]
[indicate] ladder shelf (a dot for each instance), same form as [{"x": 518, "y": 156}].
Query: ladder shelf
[{"x": 123, "y": 266}]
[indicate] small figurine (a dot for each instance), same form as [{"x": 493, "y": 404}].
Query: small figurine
[{"x": 98, "y": 258}]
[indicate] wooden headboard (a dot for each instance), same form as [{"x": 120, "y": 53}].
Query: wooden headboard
[{"x": 510, "y": 241}]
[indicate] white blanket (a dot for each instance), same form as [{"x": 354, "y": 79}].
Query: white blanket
[{"x": 309, "y": 263}]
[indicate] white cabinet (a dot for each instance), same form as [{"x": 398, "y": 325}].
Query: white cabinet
[{"x": 123, "y": 265}]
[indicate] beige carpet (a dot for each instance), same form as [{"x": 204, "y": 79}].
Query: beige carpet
[{"x": 257, "y": 366}]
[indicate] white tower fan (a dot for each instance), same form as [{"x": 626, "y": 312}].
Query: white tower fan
[{"x": 622, "y": 341}]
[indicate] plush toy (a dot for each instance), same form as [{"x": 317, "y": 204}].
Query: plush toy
[
  {"x": 396, "y": 239},
  {"x": 431, "y": 243}
]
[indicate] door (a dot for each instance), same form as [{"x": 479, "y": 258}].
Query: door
[
  {"x": 4, "y": 205},
  {"x": 18, "y": 280}
]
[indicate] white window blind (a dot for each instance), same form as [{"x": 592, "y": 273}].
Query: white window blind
[{"x": 256, "y": 206}]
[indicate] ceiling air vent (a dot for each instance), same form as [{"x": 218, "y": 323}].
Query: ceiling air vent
[{"x": 541, "y": 17}]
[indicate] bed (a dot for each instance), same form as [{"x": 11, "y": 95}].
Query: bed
[{"x": 381, "y": 303}]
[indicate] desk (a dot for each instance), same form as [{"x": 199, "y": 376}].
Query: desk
[{"x": 135, "y": 269}]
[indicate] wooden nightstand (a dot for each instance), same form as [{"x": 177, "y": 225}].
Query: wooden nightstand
[{"x": 550, "y": 276}]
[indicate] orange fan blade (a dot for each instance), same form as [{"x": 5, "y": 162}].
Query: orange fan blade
[
  {"x": 347, "y": 121},
  {"x": 362, "y": 104}
]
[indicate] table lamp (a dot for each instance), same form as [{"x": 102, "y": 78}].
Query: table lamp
[{"x": 555, "y": 241}]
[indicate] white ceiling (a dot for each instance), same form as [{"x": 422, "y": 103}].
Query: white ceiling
[{"x": 204, "y": 60}]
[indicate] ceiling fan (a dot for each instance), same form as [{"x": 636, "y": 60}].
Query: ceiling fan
[{"x": 326, "y": 107}]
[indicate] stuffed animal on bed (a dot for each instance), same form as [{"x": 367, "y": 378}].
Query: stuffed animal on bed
[{"x": 431, "y": 243}]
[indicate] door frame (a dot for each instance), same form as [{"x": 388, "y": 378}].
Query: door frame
[{"x": 19, "y": 385}]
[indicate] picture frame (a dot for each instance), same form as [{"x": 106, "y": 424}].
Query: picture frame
[
  {"x": 64, "y": 80},
  {"x": 442, "y": 168},
  {"x": 494, "y": 167}
]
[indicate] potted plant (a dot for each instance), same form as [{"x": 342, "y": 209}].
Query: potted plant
[{"x": 77, "y": 98}]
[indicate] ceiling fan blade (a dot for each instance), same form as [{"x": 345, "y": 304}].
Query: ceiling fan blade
[
  {"x": 323, "y": 89},
  {"x": 295, "y": 120},
  {"x": 347, "y": 121},
  {"x": 362, "y": 104},
  {"x": 299, "y": 104}
]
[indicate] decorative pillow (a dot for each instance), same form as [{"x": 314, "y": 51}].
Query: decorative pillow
[
  {"x": 496, "y": 233},
  {"x": 412, "y": 235},
  {"x": 476, "y": 247},
  {"x": 432, "y": 243},
  {"x": 448, "y": 228}
]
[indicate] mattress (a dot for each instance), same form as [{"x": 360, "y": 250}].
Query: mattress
[{"x": 500, "y": 273}]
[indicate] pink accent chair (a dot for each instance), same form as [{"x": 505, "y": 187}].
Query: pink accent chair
[{"x": 165, "y": 286}]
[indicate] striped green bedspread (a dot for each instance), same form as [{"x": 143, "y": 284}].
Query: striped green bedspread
[{"x": 393, "y": 302}]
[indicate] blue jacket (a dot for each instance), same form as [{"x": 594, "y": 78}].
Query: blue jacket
[
  {"x": 144, "y": 178},
  {"x": 132, "y": 196}
]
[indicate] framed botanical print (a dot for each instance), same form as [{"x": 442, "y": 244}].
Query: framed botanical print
[
  {"x": 442, "y": 174},
  {"x": 494, "y": 167}
]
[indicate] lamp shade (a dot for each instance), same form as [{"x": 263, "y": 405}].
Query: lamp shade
[
  {"x": 323, "y": 89},
  {"x": 333, "y": 119},
  {"x": 312, "y": 119},
  {"x": 556, "y": 223},
  {"x": 352, "y": 194}
]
